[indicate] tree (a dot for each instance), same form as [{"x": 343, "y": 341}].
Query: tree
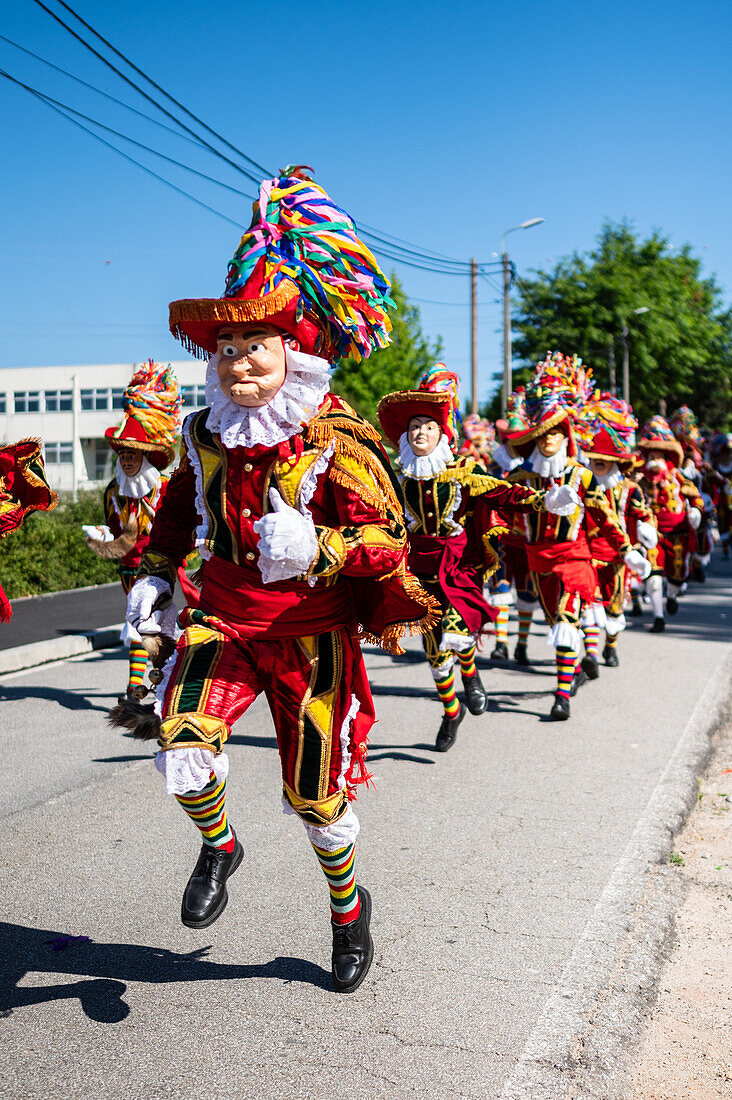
[
  {"x": 680, "y": 349},
  {"x": 397, "y": 367}
]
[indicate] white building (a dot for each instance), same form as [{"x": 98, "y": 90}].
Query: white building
[{"x": 70, "y": 408}]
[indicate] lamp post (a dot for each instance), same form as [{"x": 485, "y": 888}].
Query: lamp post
[
  {"x": 507, "y": 310},
  {"x": 626, "y": 355}
]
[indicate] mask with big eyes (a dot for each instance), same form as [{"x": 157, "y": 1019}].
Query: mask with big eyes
[{"x": 250, "y": 363}]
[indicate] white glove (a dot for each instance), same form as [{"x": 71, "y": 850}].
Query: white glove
[
  {"x": 647, "y": 534},
  {"x": 288, "y": 545},
  {"x": 100, "y": 533},
  {"x": 561, "y": 500},
  {"x": 637, "y": 564},
  {"x": 143, "y": 595},
  {"x": 694, "y": 518}
]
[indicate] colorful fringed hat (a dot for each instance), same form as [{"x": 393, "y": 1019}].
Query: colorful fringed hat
[
  {"x": 614, "y": 427},
  {"x": 152, "y": 407},
  {"x": 516, "y": 422},
  {"x": 657, "y": 436},
  {"x": 437, "y": 396},
  {"x": 556, "y": 397},
  {"x": 480, "y": 438},
  {"x": 302, "y": 268},
  {"x": 685, "y": 426}
]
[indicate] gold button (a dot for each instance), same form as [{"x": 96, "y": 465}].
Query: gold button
[
  {"x": 248, "y": 467},
  {"x": 250, "y": 556},
  {"x": 430, "y": 515},
  {"x": 246, "y": 513}
]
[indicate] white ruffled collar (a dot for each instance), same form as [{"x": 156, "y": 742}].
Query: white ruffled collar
[
  {"x": 611, "y": 479},
  {"x": 423, "y": 467},
  {"x": 141, "y": 484},
  {"x": 504, "y": 460},
  {"x": 549, "y": 467},
  {"x": 307, "y": 381}
]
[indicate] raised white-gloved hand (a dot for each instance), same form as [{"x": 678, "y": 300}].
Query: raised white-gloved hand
[
  {"x": 561, "y": 500},
  {"x": 638, "y": 564},
  {"x": 694, "y": 518},
  {"x": 647, "y": 534},
  {"x": 100, "y": 533},
  {"x": 288, "y": 545},
  {"x": 150, "y": 607}
]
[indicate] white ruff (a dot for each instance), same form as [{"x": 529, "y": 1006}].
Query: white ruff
[
  {"x": 609, "y": 481},
  {"x": 549, "y": 467},
  {"x": 307, "y": 381},
  {"x": 141, "y": 484},
  {"x": 423, "y": 467},
  {"x": 504, "y": 460}
]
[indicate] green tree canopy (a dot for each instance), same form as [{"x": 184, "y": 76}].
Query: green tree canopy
[
  {"x": 396, "y": 367},
  {"x": 680, "y": 350}
]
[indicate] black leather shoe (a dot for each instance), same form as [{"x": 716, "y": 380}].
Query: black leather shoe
[
  {"x": 520, "y": 655},
  {"x": 500, "y": 652},
  {"x": 658, "y": 627},
  {"x": 475, "y": 695},
  {"x": 672, "y": 605},
  {"x": 698, "y": 574},
  {"x": 610, "y": 656},
  {"x": 353, "y": 948},
  {"x": 205, "y": 896},
  {"x": 448, "y": 730},
  {"x": 579, "y": 678},
  {"x": 560, "y": 710},
  {"x": 590, "y": 666},
  {"x": 636, "y": 609}
]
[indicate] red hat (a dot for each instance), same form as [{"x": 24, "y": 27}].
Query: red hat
[
  {"x": 152, "y": 404},
  {"x": 549, "y": 420},
  {"x": 609, "y": 448},
  {"x": 657, "y": 436},
  {"x": 436, "y": 397}
]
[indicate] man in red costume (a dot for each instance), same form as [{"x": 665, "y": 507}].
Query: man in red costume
[
  {"x": 289, "y": 497},
  {"x": 677, "y": 506}
]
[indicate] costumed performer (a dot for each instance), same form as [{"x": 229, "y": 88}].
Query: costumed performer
[
  {"x": 144, "y": 444},
  {"x": 558, "y": 550},
  {"x": 677, "y": 506},
  {"x": 289, "y": 497},
  {"x": 23, "y": 489},
  {"x": 685, "y": 426},
  {"x": 453, "y": 509}
]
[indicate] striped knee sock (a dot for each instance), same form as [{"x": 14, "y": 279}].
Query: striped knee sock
[
  {"x": 501, "y": 624},
  {"x": 207, "y": 811},
  {"x": 524, "y": 625},
  {"x": 611, "y": 640},
  {"x": 445, "y": 684},
  {"x": 592, "y": 639},
  {"x": 138, "y": 663},
  {"x": 566, "y": 664},
  {"x": 339, "y": 869},
  {"x": 467, "y": 663}
]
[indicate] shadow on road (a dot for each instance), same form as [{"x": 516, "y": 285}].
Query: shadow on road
[
  {"x": 104, "y": 968},
  {"x": 69, "y": 700}
]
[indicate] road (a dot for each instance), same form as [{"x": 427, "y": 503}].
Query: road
[
  {"x": 485, "y": 866},
  {"x": 37, "y": 618}
]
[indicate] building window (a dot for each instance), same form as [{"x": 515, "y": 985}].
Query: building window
[
  {"x": 194, "y": 397},
  {"x": 58, "y": 401},
  {"x": 27, "y": 401},
  {"x": 117, "y": 396},
  {"x": 104, "y": 458},
  {"x": 92, "y": 400},
  {"x": 3, "y": 405},
  {"x": 59, "y": 453}
]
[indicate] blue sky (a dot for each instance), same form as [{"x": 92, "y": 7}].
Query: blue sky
[{"x": 442, "y": 123}]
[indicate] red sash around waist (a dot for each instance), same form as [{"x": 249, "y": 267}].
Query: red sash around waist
[{"x": 571, "y": 561}]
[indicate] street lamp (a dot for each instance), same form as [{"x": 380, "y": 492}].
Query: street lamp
[
  {"x": 507, "y": 381},
  {"x": 626, "y": 355}
]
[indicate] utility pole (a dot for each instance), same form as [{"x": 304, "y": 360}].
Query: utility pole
[
  {"x": 611, "y": 364},
  {"x": 474, "y": 335},
  {"x": 626, "y": 364},
  {"x": 507, "y": 387}
]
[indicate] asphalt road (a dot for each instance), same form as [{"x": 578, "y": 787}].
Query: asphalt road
[
  {"x": 37, "y": 618},
  {"x": 485, "y": 865}
]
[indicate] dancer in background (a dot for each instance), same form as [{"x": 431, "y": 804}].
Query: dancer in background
[{"x": 23, "y": 489}]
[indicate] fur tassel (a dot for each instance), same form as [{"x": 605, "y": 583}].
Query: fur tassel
[
  {"x": 118, "y": 547},
  {"x": 139, "y": 719}
]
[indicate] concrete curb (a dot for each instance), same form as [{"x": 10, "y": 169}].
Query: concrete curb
[
  {"x": 579, "y": 1045},
  {"x": 57, "y": 649}
]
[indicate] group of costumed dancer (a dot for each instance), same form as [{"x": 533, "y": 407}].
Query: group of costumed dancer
[{"x": 311, "y": 540}]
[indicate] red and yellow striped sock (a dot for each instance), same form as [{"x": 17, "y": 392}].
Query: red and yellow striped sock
[
  {"x": 339, "y": 868},
  {"x": 467, "y": 663},
  {"x": 592, "y": 639},
  {"x": 611, "y": 640},
  {"x": 524, "y": 625},
  {"x": 445, "y": 684},
  {"x": 138, "y": 664},
  {"x": 566, "y": 664},
  {"x": 207, "y": 811},
  {"x": 501, "y": 624}
]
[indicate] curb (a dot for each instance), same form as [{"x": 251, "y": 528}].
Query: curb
[
  {"x": 58, "y": 649},
  {"x": 593, "y": 1017}
]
